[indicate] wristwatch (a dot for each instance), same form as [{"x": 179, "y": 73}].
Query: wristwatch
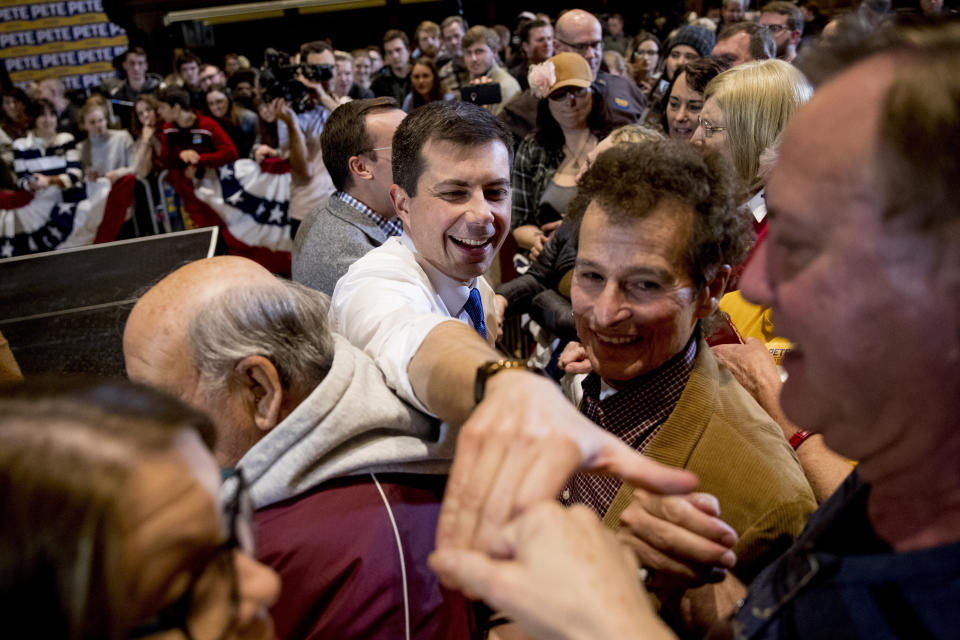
[{"x": 491, "y": 368}]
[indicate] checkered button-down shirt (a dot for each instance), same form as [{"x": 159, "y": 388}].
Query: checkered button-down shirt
[
  {"x": 633, "y": 414},
  {"x": 392, "y": 227}
]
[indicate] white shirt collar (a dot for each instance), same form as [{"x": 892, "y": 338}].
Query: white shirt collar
[
  {"x": 452, "y": 292},
  {"x": 758, "y": 206}
]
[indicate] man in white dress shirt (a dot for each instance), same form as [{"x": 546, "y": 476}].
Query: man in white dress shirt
[
  {"x": 452, "y": 193},
  {"x": 418, "y": 305}
]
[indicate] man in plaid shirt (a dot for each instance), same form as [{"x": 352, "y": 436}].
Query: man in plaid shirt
[{"x": 356, "y": 144}]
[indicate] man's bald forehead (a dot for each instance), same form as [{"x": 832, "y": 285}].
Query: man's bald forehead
[
  {"x": 194, "y": 282},
  {"x": 576, "y": 19},
  {"x": 154, "y": 339}
]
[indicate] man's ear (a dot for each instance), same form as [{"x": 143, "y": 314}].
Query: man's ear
[
  {"x": 795, "y": 36},
  {"x": 401, "y": 202},
  {"x": 711, "y": 293},
  {"x": 262, "y": 391},
  {"x": 358, "y": 168}
]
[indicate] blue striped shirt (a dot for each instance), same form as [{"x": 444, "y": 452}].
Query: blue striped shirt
[
  {"x": 393, "y": 226},
  {"x": 59, "y": 156}
]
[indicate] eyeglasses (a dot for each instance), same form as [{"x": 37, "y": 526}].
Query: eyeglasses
[
  {"x": 775, "y": 28},
  {"x": 568, "y": 93},
  {"x": 583, "y": 47},
  {"x": 212, "y": 598},
  {"x": 708, "y": 129},
  {"x": 360, "y": 153}
]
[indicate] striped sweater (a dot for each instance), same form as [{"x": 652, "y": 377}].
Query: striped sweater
[{"x": 57, "y": 156}]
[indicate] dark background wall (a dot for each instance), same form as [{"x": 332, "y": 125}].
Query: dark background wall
[{"x": 347, "y": 29}]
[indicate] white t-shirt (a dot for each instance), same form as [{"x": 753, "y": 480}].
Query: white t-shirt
[{"x": 389, "y": 300}]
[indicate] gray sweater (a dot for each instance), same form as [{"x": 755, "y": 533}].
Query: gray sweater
[
  {"x": 351, "y": 424},
  {"x": 112, "y": 152}
]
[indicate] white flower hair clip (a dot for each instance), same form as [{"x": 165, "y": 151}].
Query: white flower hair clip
[{"x": 541, "y": 77}]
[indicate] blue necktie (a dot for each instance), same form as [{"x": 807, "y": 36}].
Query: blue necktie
[{"x": 474, "y": 309}]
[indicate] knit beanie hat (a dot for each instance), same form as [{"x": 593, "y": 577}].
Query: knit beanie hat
[{"x": 702, "y": 40}]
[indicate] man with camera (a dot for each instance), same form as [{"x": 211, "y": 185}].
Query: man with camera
[{"x": 301, "y": 116}]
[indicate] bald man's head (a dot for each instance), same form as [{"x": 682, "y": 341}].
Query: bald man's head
[
  {"x": 155, "y": 338},
  {"x": 579, "y": 32},
  {"x": 227, "y": 337}
]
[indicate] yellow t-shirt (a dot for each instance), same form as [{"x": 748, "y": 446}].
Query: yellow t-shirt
[{"x": 753, "y": 321}]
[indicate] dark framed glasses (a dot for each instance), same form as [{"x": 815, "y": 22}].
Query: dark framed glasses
[
  {"x": 209, "y": 606},
  {"x": 582, "y": 47}
]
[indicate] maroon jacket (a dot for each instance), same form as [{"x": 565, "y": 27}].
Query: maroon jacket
[
  {"x": 338, "y": 556},
  {"x": 204, "y": 136}
]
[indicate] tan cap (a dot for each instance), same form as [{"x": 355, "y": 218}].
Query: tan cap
[
  {"x": 562, "y": 70},
  {"x": 572, "y": 71}
]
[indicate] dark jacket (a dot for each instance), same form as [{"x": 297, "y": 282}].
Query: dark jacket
[
  {"x": 544, "y": 290},
  {"x": 387, "y": 84}
]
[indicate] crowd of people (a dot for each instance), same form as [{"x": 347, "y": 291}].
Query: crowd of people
[{"x": 737, "y": 252}]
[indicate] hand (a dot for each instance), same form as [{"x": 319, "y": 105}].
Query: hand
[
  {"x": 537, "y": 246},
  {"x": 264, "y": 151},
  {"x": 550, "y": 227},
  {"x": 680, "y": 540},
  {"x": 190, "y": 172},
  {"x": 91, "y": 175},
  {"x": 190, "y": 156},
  {"x": 573, "y": 359},
  {"x": 519, "y": 446},
  {"x": 147, "y": 132},
  {"x": 113, "y": 176},
  {"x": 482, "y": 80},
  {"x": 501, "y": 304},
  {"x": 41, "y": 181},
  {"x": 283, "y": 111},
  {"x": 753, "y": 367},
  {"x": 558, "y": 573},
  {"x": 315, "y": 88}
]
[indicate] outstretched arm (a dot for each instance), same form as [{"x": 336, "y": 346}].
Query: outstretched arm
[{"x": 519, "y": 445}]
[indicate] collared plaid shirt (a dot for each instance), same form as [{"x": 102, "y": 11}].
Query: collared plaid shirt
[
  {"x": 633, "y": 414},
  {"x": 393, "y": 226}
]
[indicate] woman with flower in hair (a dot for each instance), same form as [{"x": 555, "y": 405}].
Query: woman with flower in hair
[{"x": 570, "y": 123}]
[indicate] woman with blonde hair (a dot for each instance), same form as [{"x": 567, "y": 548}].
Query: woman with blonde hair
[
  {"x": 745, "y": 109},
  {"x": 106, "y": 152}
]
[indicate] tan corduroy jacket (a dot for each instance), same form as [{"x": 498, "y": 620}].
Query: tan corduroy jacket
[{"x": 719, "y": 432}]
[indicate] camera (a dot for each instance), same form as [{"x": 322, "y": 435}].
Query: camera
[{"x": 279, "y": 80}]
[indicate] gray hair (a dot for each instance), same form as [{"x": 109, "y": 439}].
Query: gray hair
[{"x": 284, "y": 322}]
